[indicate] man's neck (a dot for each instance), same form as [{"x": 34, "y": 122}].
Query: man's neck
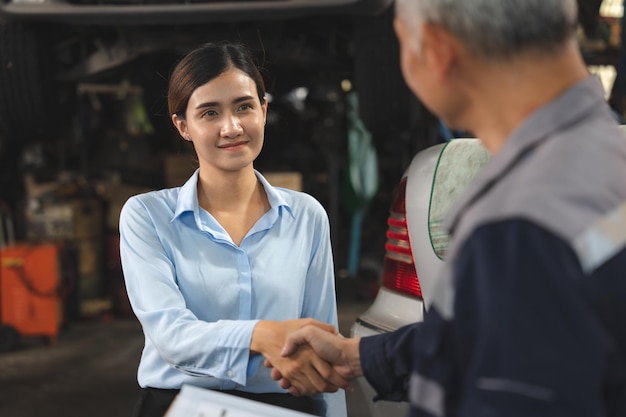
[{"x": 506, "y": 94}]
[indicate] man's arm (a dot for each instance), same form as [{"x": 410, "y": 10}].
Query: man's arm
[
  {"x": 385, "y": 360},
  {"x": 388, "y": 359}
]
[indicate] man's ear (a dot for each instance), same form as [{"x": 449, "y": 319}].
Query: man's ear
[
  {"x": 181, "y": 125},
  {"x": 410, "y": 52},
  {"x": 406, "y": 36},
  {"x": 442, "y": 49}
]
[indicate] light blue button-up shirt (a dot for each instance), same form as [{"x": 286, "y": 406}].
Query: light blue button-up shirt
[{"x": 198, "y": 296}]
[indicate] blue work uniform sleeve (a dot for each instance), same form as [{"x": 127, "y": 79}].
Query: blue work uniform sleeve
[{"x": 387, "y": 361}]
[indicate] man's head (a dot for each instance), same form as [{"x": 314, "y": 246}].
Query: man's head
[
  {"x": 446, "y": 45},
  {"x": 496, "y": 29}
]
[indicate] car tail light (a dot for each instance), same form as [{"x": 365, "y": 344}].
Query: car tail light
[{"x": 399, "y": 269}]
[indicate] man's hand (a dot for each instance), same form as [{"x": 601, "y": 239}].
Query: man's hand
[
  {"x": 305, "y": 370},
  {"x": 341, "y": 353}
]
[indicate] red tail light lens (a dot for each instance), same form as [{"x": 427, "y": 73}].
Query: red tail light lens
[{"x": 399, "y": 269}]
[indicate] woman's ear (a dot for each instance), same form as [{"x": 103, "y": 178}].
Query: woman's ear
[
  {"x": 264, "y": 106},
  {"x": 181, "y": 125}
]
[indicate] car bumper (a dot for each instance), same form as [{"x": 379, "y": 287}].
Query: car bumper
[{"x": 389, "y": 312}]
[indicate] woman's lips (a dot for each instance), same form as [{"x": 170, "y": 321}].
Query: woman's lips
[{"x": 233, "y": 145}]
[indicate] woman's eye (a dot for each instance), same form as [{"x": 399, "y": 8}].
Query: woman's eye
[
  {"x": 245, "y": 107},
  {"x": 210, "y": 113}
]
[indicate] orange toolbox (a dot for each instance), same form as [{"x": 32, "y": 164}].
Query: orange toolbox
[{"x": 31, "y": 303}]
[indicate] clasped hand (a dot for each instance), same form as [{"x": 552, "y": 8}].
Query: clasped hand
[
  {"x": 332, "y": 360},
  {"x": 304, "y": 368}
]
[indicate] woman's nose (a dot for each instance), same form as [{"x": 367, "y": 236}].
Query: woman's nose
[{"x": 231, "y": 127}]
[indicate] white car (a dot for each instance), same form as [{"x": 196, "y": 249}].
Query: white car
[{"x": 416, "y": 244}]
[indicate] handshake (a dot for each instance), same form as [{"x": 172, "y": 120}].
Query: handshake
[{"x": 306, "y": 356}]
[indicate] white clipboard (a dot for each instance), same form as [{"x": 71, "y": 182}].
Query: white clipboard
[{"x": 200, "y": 402}]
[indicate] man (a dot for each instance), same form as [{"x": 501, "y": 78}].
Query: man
[{"x": 528, "y": 316}]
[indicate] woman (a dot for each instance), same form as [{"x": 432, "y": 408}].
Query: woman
[{"x": 219, "y": 270}]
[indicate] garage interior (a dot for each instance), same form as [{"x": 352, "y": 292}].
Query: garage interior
[{"x": 98, "y": 133}]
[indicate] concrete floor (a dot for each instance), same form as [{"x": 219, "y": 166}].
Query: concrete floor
[{"x": 90, "y": 371}]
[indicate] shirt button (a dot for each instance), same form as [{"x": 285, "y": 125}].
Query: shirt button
[{"x": 230, "y": 374}]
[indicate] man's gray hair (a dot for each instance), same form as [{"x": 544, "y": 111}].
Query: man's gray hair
[{"x": 497, "y": 28}]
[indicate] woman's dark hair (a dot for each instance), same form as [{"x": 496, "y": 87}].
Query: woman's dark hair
[{"x": 202, "y": 65}]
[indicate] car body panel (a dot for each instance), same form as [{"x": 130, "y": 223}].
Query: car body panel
[
  {"x": 390, "y": 311},
  {"x": 420, "y": 176},
  {"x": 435, "y": 178}
]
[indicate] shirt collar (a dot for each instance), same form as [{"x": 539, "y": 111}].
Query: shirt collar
[
  {"x": 276, "y": 199},
  {"x": 188, "y": 196},
  {"x": 187, "y": 200},
  {"x": 567, "y": 109}
]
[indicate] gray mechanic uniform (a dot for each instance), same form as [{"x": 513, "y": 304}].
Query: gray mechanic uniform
[{"x": 529, "y": 316}]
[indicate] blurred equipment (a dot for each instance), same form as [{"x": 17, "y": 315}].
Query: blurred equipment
[
  {"x": 362, "y": 178},
  {"x": 30, "y": 287},
  {"x": 588, "y": 15}
]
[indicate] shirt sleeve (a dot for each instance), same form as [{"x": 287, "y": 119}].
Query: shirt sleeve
[
  {"x": 219, "y": 349},
  {"x": 527, "y": 340},
  {"x": 387, "y": 361}
]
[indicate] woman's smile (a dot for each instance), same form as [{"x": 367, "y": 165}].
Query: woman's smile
[{"x": 233, "y": 146}]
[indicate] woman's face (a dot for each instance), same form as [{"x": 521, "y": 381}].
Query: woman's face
[{"x": 225, "y": 121}]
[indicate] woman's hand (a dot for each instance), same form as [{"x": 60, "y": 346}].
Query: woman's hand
[
  {"x": 305, "y": 370},
  {"x": 341, "y": 353}
]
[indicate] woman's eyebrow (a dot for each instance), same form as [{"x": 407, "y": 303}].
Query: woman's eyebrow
[
  {"x": 216, "y": 104},
  {"x": 244, "y": 98},
  {"x": 207, "y": 104}
]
